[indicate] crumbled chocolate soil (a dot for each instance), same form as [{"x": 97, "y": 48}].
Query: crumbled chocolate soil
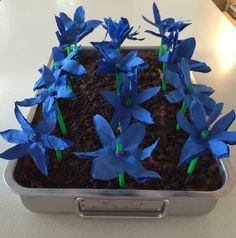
[{"x": 73, "y": 172}]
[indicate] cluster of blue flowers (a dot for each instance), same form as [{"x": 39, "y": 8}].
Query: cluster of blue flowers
[
  {"x": 203, "y": 137},
  {"x": 121, "y": 154}
]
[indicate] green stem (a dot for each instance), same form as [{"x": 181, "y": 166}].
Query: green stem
[
  {"x": 161, "y": 49},
  {"x": 118, "y": 81},
  {"x": 183, "y": 110},
  {"x": 192, "y": 166},
  {"x": 61, "y": 120},
  {"x": 121, "y": 180},
  {"x": 68, "y": 50},
  {"x": 59, "y": 155}
]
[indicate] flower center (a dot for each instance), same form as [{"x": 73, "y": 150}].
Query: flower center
[
  {"x": 190, "y": 87},
  {"x": 33, "y": 137},
  {"x": 204, "y": 134},
  {"x": 128, "y": 102},
  {"x": 52, "y": 92},
  {"x": 68, "y": 38},
  {"x": 119, "y": 151},
  {"x": 118, "y": 66},
  {"x": 56, "y": 64}
]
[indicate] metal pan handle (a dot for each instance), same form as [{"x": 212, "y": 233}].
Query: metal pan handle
[{"x": 104, "y": 208}]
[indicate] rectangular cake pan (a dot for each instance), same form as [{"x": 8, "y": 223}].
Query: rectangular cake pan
[{"x": 115, "y": 203}]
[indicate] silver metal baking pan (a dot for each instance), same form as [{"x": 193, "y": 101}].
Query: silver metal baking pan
[{"x": 115, "y": 203}]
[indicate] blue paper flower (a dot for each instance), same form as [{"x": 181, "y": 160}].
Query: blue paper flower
[
  {"x": 184, "y": 49},
  {"x": 187, "y": 91},
  {"x": 118, "y": 32},
  {"x": 164, "y": 26},
  {"x": 55, "y": 88},
  {"x": 34, "y": 140},
  {"x": 112, "y": 62},
  {"x": 203, "y": 137},
  {"x": 63, "y": 66},
  {"x": 127, "y": 105},
  {"x": 120, "y": 154},
  {"x": 72, "y": 31}
]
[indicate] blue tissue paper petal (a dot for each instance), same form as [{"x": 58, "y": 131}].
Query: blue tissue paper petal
[
  {"x": 48, "y": 124},
  {"x": 111, "y": 98},
  {"x": 40, "y": 156},
  {"x": 15, "y": 152},
  {"x": 228, "y": 137},
  {"x": 145, "y": 153},
  {"x": 135, "y": 170},
  {"x": 225, "y": 122},
  {"x": 74, "y": 68},
  {"x": 103, "y": 168},
  {"x": 57, "y": 143},
  {"x": 147, "y": 94},
  {"x": 104, "y": 131},
  {"x": 135, "y": 131},
  {"x": 142, "y": 115},
  {"x": 218, "y": 148},
  {"x": 25, "y": 125},
  {"x": 185, "y": 124},
  {"x": 175, "y": 96},
  {"x": 88, "y": 155},
  {"x": 14, "y": 136},
  {"x": 191, "y": 151},
  {"x": 198, "y": 115},
  {"x": 215, "y": 113}
]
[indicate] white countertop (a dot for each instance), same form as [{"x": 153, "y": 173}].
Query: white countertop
[{"x": 27, "y": 35}]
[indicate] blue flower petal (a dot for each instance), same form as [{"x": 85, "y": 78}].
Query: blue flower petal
[
  {"x": 57, "y": 54},
  {"x": 132, "y": 136},
  {"x": 106, "y": 168},
  {"x": 111, "y": 98},
  {"x": 125, "y": 120},
  {"x": 199, "y": 66},
  {"x": 74, "y": 68},
  {"x": 215, "y": 113},
  {"x": 14, "y": 136},
  {"x": 104, "y": 131},
  {"x": 57, "y": 143},
  {"x": 146, "y": 94},
  {"x": 200, "y": 88},
  {"x": 79, "y": 15},
  {"x": 39, "y": 154},
  {"x": 185, "y": 71},
  {"x": 25, "y": 125},
  {"x": 116, "y": 118},
  {"x": 156, "y": 14},
  {"x": 88, "y": 155},
  {"x": 15, "y": 152},
  {"x": 218, "y": 148},
  {"x": 48, "y": 104},
  {"x": 185, "y": 124},
  {"x": 142, "y": 115},
  {"x": 33, "y": 101},
  {"x": 48, "y": 124},
  {"x": 225, "y": 122},
  {"x": 48, "y": 76},
  {"x": 135, "y": 170},
  {"x": 198, "y": 115},
  {"x": 175, "y": 96},
  {"x": 148, "y": 151},
  {"x": 185, "y": 49},
  {"x": 191, "y": 151},
  {"x": 65, "y": 92},
  {"x": 228, "y": 137},
  {"x": 174, "y": 79}
]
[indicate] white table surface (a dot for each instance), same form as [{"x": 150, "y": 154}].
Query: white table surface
[{"x": 27, "y": 35}]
